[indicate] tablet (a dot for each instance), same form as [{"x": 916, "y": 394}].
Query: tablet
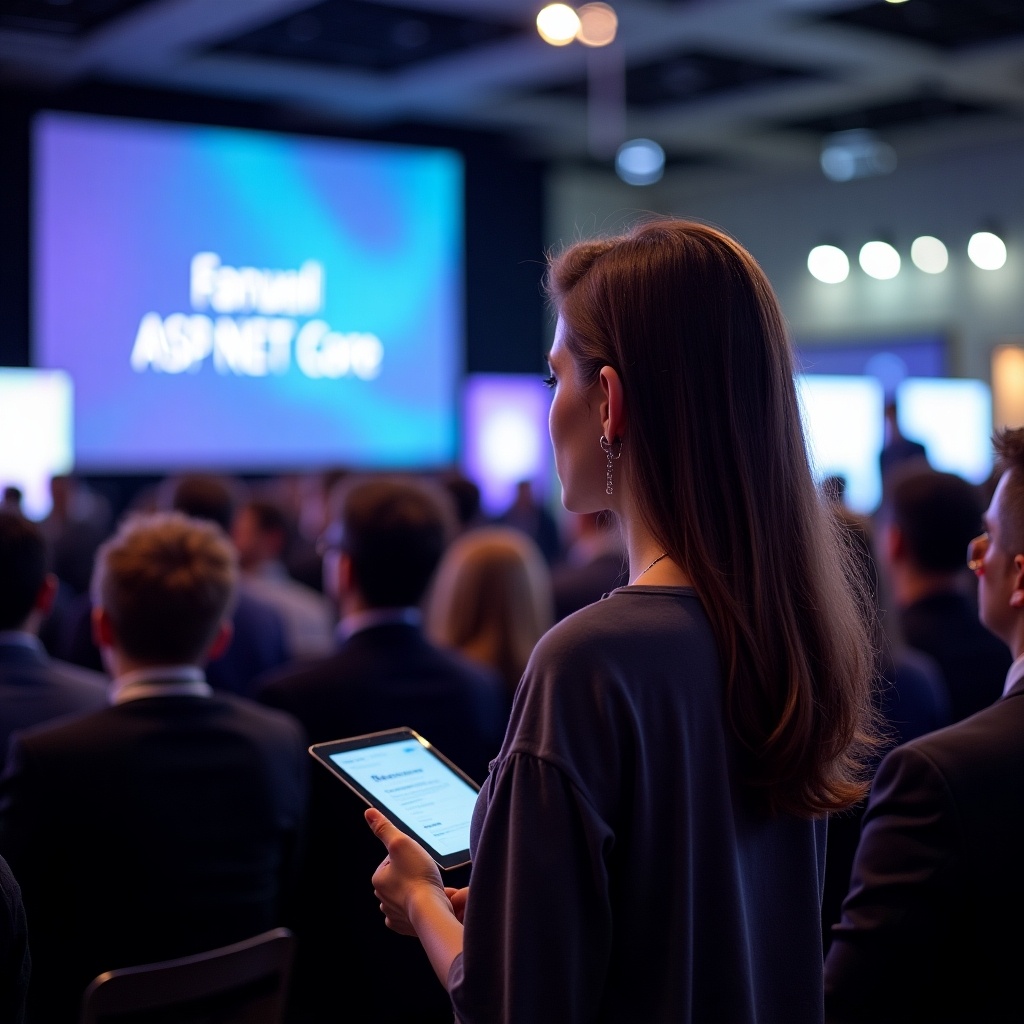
[{"x": 413, "y": 783}]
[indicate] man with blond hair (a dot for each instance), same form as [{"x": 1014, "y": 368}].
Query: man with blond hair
[{"x": 166, "y": 823}]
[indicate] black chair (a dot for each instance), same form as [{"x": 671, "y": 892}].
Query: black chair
[{"x": 244, "y": 983}]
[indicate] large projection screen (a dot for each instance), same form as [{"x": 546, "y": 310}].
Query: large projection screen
[{"x": 241, "y": 300}]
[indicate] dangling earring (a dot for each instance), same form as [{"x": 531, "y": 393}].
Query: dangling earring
[{"x": 612, "y": 449}]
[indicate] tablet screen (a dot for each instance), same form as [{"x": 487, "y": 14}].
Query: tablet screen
[{"x": 419, "y": 789}]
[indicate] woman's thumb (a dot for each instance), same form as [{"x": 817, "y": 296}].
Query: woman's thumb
[{"x": 379, "y": 825}]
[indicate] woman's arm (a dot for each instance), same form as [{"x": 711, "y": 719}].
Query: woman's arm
[{"x": 413, "y": 898}]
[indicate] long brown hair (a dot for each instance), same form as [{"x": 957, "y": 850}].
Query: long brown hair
[{"x": 716, "y": 465}]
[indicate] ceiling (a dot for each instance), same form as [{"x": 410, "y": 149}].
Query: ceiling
[{"x": 747, "y": 84}]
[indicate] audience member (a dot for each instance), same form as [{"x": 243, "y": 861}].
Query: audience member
[
  {"x": 928, "y": 519},
  {"x": 530, "y": 515},
  {"x": 34, "y": 687},
  {"x": 392, "y": 533},
  {"x": 258, "y": 640},
  {"x": 78, "y": 522},
  {"x": 594, "y": 564},
  {"x": 166, "y": 823},
  {"x": 15, "y": 958},
  {"x": 910, "y": 694},
  {"x": 12, "y": 500},
  {"x": 929, "y": 930},
  {"x": 648, "y": 845},
  {"x": 260, "y": 532},
  {"x": 491, "y": 600},
  {"x": 898, "y": 451},
  {"x": 467, "y": 498},
  {"x": 302, "y": 497}
]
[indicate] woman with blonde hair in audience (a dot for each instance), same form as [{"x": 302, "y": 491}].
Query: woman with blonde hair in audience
[{"x": 492, "y": 600}]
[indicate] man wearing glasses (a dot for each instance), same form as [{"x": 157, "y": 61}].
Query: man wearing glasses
[{"x": 930, "y": 926}]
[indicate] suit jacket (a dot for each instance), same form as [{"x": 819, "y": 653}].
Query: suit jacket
[
  {"x": 973, "y": 661},
  {"x": 930, "y": 929},
  {"x": 36, "y": 688},
  {"x": 155, "y": 828},
  {"x": 15, "y": 958},
  {"x": 382, "y": 677}
]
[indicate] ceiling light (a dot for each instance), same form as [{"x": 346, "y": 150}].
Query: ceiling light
[
  {"x": 558, "y": 24},
  {"x": 879, "y": 260},
  {"x": 929, "y": 254},
  {"x": 640, "y": 162},
  {"x": 858, "y": 153},
  {"x": 598, "y": 24},
  {"x": 829, "y": 264},
  {"x": 987, "y": 250}
]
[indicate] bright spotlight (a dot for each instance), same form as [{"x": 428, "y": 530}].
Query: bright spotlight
[
  {"x": 640, "y": 162},
  {"x": 987, "y": 251},
  {"x": 879, "y": 260},
  {"x": 829, "y": 264},
  {"x": 598, "y": 24},
  {"x": 558, "y": 24},
  {"x": 929, "y": 254}
]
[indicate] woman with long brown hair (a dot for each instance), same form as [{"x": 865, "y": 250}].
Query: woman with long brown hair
[{"x": 649, "y": 843}]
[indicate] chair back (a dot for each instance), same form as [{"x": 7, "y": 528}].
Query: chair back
[{"x": 244, "y": 983}]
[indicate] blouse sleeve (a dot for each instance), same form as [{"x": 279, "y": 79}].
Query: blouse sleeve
[{"x": 538, "y": 919}]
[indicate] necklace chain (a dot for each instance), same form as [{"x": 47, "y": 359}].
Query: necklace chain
[{"x": 653, "y": 564}]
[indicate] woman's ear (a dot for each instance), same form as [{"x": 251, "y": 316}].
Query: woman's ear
[
  {"x": 613, "y": 408},
  {"x": 1017, "y": 597}
]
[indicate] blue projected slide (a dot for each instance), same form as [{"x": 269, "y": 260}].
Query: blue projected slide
[{"x": 241, "y": 300}]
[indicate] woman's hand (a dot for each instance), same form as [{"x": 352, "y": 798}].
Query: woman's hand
[
  {"x": 413, "y": 898},
  {"x": 406, "y": 875},
  {"x": 458, "y": 899}
]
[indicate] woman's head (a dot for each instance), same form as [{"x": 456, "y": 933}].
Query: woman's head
[
  {"x": 491, "y": 598},
  {"x": 690, "y": 324},
  {"x": 713, "y": 463}
]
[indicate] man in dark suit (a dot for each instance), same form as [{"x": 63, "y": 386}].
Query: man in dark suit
[
  {"x": 930, "y": 925},
  {"x": 166, "y": 823},
  {"x": 928, "y": 519},
  {"x": 389, "y": 541},
  {"x": 34, "y": 687}
]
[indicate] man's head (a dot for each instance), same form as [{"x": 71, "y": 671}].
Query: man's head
[
  {"x": 163, "y": 588},
  {"x": 997, "y": 556},
  {"x": 25, "y": 585},
  {"x": 204, "y": 496},
  {"x": 391, "y": 534},
  {"x": 932, "y": 517},
  {"x": 259, "y": 532}
]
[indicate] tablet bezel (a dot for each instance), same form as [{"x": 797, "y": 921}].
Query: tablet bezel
[{"x": 322, "y": 753}]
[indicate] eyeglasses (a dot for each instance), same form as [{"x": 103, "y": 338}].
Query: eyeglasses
[{"x": 976, "y": 554}]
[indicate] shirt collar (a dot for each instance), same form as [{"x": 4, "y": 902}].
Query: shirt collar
[
  {"x": 1015, "y": 674},
  {"x": 356, "y": 622},
  {"x": 160, "y": 681}
]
